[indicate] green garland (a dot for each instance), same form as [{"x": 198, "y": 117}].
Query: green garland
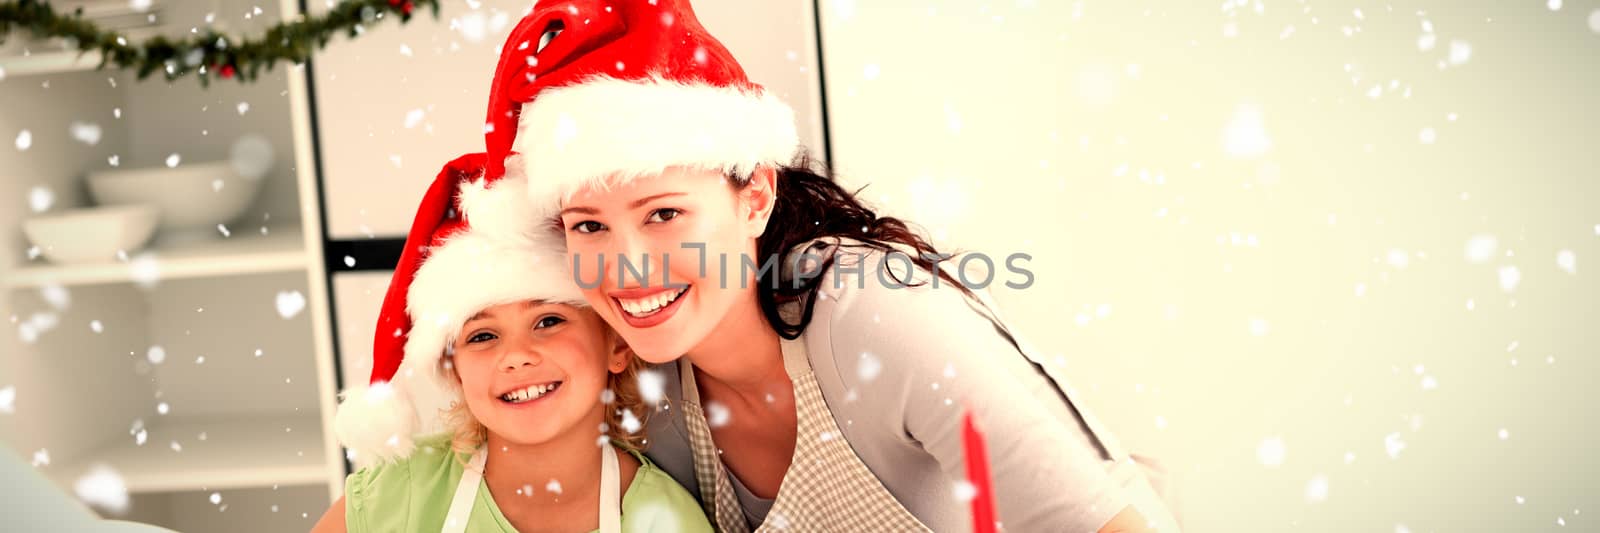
[{"x": 208, "y": 53}]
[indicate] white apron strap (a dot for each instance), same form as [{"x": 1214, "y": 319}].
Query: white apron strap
[
  {"x": 610, "y": 491},
  {"x": 455, "y": 521}
]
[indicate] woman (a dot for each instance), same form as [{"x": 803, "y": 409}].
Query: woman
[{"x": 794, "y": 399}]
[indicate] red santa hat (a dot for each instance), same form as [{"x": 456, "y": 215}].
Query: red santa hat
[
  {"x": 592, "y": 92},
  {"x": 474, "y": 244}
]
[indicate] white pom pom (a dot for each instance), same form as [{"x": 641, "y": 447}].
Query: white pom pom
[{"x": 376, "y": 423}]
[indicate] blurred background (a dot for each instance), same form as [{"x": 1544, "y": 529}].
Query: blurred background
[{"x": 1328, "y": 261}]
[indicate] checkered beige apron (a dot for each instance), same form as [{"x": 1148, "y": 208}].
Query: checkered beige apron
[{"x": 827, "y": 488}]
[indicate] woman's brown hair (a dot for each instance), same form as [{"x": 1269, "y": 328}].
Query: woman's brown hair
[{"x": 810, "y": 205}]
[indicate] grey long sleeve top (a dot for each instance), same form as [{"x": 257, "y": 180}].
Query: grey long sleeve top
[{"x": 896, "y": 366}]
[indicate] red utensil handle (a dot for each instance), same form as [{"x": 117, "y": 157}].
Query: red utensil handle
[{"x": 983, "y": 515}]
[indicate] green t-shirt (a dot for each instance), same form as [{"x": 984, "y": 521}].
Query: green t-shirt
[{"x": 414, "y": 493}]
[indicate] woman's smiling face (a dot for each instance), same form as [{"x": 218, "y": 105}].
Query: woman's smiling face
[
  {"x": 530, "y": 371},
  {"x": 685, "y": 236}
]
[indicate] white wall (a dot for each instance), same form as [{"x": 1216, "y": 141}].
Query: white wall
[{"x": 1215, "y": 299}]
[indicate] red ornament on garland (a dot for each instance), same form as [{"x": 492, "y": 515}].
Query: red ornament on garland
[{"x": 226, "y": 71}]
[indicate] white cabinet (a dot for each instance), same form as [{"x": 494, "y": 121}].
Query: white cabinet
[{"x": 194, "y": 367}]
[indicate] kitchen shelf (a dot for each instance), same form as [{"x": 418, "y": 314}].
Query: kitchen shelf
[
  {"x": 246, "y": 252},
  {"x": 250, "y": 451}
]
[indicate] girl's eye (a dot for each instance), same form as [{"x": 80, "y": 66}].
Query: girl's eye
[
  {"x": 548, "y": 322},
  {"x": 482, "y": 336},
  {"x": 587, "y": 226},
  {"x": 664, "y": 214}
]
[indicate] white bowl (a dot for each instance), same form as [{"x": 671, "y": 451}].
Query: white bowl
[
  {"x": 193, "y": 198},
  {"x": 93, "y": 234}
]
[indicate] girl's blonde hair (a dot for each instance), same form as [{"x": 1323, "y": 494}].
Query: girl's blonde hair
[{"x": 468, "y": 434}]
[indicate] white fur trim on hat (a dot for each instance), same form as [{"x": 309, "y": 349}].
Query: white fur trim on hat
[
  {"x": 606, "y": 132},
  {"x": 505, "y": 254}
]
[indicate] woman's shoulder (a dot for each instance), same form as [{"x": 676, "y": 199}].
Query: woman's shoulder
[
  {"x": 870, "y": 294},
  {"x": 655, "y": 502}
]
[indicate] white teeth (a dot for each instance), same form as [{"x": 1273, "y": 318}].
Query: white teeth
[
  {"x": 646, "y": 306},
  {"x": 530, "y": 393}
]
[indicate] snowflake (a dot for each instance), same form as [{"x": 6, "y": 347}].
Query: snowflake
[
  {"x": 8, "y": 399},
  {"x": 1460, "y": 52},
  {"x": 103, "y": 487},
  {"x": 1393, "y": 445},
  {"x": 869, "y": 367},
  {"x": 1317, "y": 489},
  {"x": 40, "y": 199},
  {"x": 1246, "y": 133},
  {"x": 630, "y": 423},
  {"x": 173, "y": 160},
  {"x": 553, "y": 486},
  {"x": 717, "y": 414},
  {"x": 85, "y": 132},
  {"x": 1428, "y": 383},
  {"x": 1481, "y": 248},
  {"x": 652, "y": 386},
  {"x": 1271, "y": 451},
  {"x": 24, "y": 140},
  {"x": 1259, "y": 327},
  {"x": 1510, "y": 276},
  {"x": 290, "y": 303},
  {"x": 1567, "y": 261},
  {"x": 156, "y": 354}
]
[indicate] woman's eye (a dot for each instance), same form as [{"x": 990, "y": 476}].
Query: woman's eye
[
  {"x": 664, "y": 214},
  {"x": 482, "y": 336},
  {"x": 548, "y": 322},
  {"x": 587, "y": 226}
]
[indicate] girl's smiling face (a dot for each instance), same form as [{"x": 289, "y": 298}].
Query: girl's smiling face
[{"x": 530, "y": 371}]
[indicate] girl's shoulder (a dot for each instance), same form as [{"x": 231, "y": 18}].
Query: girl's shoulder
[
  {"x": 655, "y": 502},
  {"x": 382, "y": 497}
]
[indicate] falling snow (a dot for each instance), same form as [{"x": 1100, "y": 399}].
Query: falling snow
[
  {"x": 1317, "y": 489},
  {"x": 868, "y": 367},
  {"x": 630, "y": 423},
  {"x": 1271, "y": 452},
  {"x": 1567, "y": 261},
  {"x": 103, "y": 487},
  {"x": 1509, "y": 276},
  {"x": 1481, "y": 248},
  {"x": 8, "y": 399},
  {"x": 85, "y": 132},
  {"x": 717, "y": 414},
  {"x": 1393, "y": 445},
  {"x": 652, "y": 386},
  {"x": 290, "y": 303}
]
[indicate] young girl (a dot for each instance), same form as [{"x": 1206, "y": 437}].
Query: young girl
[{"x": 542, "y": 432}]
